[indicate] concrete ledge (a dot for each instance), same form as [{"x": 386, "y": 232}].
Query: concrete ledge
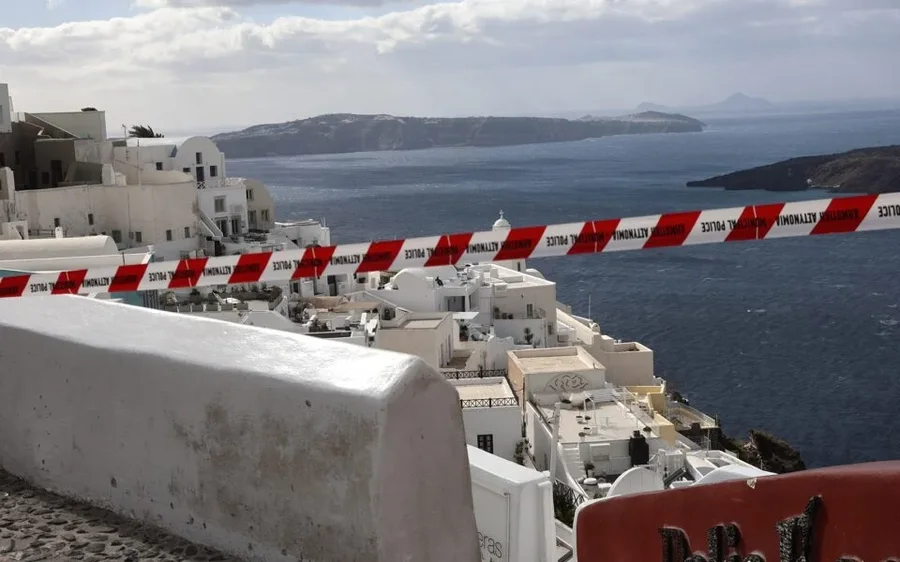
[{"x": 263, "y": 444}]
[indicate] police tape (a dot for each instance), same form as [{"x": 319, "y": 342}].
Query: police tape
[{"x": 755, "y": 222}]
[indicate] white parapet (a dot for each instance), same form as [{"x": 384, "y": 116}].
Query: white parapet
[
  {"x": 261, "y": 443},
  {"x": 513, "y": 508}
]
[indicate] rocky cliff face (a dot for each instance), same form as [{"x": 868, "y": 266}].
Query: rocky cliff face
[
  {"x": 767, "y": 452},
  {"x": 865, "y": 170},
  {"x": 341, "y": 133}
]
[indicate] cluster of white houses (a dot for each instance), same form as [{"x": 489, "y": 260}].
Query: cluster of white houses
[
  {"x": 172, "y": 197},
  {"x": 538, "y": 385}
]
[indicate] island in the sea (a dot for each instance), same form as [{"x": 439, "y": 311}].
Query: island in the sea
[
  {"x": 347, "y": 132},
  {"x": 864, "y": 170}
]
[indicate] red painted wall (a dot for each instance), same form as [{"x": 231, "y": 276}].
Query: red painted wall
[{"x": 853, "y": 513}]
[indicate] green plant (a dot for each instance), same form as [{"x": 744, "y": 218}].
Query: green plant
[
  {"x": 521, "y": 446},
  {"x": 564, "y": 503}
]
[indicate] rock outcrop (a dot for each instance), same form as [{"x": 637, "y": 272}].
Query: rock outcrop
[
  {"x": 342, "y": 133},
  {"x": 767, "y": 452},
  {"x": 865, "y": 170}
]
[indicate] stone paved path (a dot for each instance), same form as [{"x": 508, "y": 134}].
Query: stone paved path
[{"x": 36, "y": 526}]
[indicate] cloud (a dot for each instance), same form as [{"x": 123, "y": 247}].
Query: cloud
[
  {"x": 155, "y": 4},
  {"x": 212, "y": 64}
]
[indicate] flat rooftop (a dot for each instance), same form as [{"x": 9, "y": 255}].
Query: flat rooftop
[
  {"x": 609, "y": 421},
  {"x": 421, "y": 324},
  {"x": 554, "y": 360},
  {"x": 473, "y": 389}
]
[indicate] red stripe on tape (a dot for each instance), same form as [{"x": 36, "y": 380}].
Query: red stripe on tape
[
  {"x": 746, "y": 226},
  {"x": 381, "y": 256},
  {"x": 187, "y": 273},
  {"x": 127, "y": 278},
  {"x": 313, "y": 262},
  {"x": 672, "y": 229},
  {"x": 594, "y": 236},
  {"x": 767, "y": 216},
  {"x": 69, "y": 282},
  {"x": 449, "y": 249},
  {"x": 249, "y": 268},
  {"x": 844, "y": 214},
  {"x": 13, "y": 286},
  {"x": 520, "y": 243}
]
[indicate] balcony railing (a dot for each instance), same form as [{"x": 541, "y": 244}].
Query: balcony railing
[
  {"x": 489, "y": 402},
  {"x": 220, "y": 182},
  {"x": 482, "y": 374}
]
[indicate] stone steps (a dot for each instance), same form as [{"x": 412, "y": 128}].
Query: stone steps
[{"x": 37, "y": 526}]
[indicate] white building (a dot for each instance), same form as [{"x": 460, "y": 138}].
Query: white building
[
  {"x": 53, "y": 255},
  {"x": 492, "y": 415},
  {"x": 169, "y": 194},
  {"x": 628, "y": 363},
  {"x": 564, "y": 391},
  {"x": 13, "y": 223},
  {"x": 6, "y": 112},
  {"x": 516, "y": 304}
]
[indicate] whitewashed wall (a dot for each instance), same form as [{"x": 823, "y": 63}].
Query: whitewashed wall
[{"x": 264, "y": 444}]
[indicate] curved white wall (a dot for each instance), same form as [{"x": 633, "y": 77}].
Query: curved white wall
[
  {"x": 267, "y": 445},
  {"x": 81, "y": 246}
]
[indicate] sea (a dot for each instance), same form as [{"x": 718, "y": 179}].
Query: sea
[{"x": 799, "y": 337}]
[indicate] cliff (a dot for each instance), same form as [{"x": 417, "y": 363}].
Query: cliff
[
  {"x": 767, "y": 452},
  {"x": 864, "y": 170},
  {"x": 341, "y": 133}
]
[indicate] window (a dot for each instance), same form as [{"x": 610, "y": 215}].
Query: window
[
  {"x": 199, "y": 157},
  {"x": 249, "y": 195},
  {"x": 235, "y": 225},
  {"x": 219, "y": 203},
  {"x": 159, "y": 166},
  {"x": 91, "y": 219},
  {"x": 264, "y": 214},
  {"x": 486, "y": 443},
  {"x": 529, "y": 310},
  {"x": 117, "y": 236},
  {"x": 213, "y": 171},
  {"x": 168, "y": 235},
  {"x": 55, "y": 222},
  {"x": 251, "y": 217},
  {"x": 187, "y": 232},
  {"x": 186, "y": 170},
  {"x": 138, "y": 237}
]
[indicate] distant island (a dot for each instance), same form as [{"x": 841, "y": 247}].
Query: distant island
[
  {"x": 735, "y": 104},
  {"x": 348, "y": 132},
  {"x": 864, "y": 170}
]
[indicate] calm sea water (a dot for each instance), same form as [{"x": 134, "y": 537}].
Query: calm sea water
[{"x": 800, "y": 337}]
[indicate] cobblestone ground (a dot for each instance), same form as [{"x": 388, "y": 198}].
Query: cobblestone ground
[{"x": 38, "y": 526}]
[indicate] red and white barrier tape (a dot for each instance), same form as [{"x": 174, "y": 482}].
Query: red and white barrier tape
[{"x": 755, "y": 222}]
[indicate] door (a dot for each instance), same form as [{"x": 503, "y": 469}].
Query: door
[
  {"x": 201, "y": 174},
  {"x": 56, "y": 172},
  {"x": 486, "y": 442}
]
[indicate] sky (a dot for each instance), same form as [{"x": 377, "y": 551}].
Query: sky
[{"x": 219, "y": 64}]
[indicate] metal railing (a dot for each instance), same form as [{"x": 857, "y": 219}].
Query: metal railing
[
  {"x": 220, "y": 182},
  {"x": 489, "y": 402},
  {"x": 481, "y": 374}
]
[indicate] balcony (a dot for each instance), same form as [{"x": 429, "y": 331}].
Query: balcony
[
  {"x": 489, "y": 402},
  {"x": 215, "y": 183}
]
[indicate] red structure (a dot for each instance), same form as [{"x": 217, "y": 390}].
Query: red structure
[{"x": 840, "y": 514}]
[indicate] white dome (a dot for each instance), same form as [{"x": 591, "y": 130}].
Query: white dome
[{"x": 501, "y": 223}]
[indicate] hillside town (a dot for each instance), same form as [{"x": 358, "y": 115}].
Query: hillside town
[{"x": 539, "y": 386}]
